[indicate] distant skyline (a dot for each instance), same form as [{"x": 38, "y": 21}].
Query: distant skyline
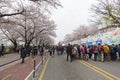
[{"x": 73, "y": 14}]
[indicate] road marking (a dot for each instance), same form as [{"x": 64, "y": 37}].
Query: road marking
[
  {"x": 44, "y": 69},
  {"x": 5, "y": 78},
  {"x": 97, "y": 71},
  {"x": 105, "y": 72}
]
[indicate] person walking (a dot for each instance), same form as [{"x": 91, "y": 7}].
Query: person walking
[
  {"x": 22, "y": 53},
  {"x": 79, "y": 51},
  {"x": 115, "y": 55},
  {"x": 74, "y": 52},
  {"x": 95, "y": 53},
  {"x": 41, "y": 50},
  {"x": 53, "y": 50},
  {"x": 58, "y": 50},
  {"x": 83, "y": 50},
  {"x": 69, "y": 52},
  {"x": 28, "y": 51},
  {"x": 33, "y": 51},
  {"x": 113, "y": 52},
  {"x": 50, "y": 50},
  {"x": 106, "y": 52},
  {"x": 62, "y": 49},
  {"x": 92, "y": 51},
  {"x": 100, "y": 52},
  {"x": 118, "y": 50},
  {"x": 89, "y": 52},
  {"x": 2, "y": 50}
]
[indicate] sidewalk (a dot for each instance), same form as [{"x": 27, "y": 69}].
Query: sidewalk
[
  {"x": 8, "y": 58},
  {"x": 19, "y": 71}
]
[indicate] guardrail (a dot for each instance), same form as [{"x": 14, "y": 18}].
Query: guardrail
[{"x": 33, "y": 72}]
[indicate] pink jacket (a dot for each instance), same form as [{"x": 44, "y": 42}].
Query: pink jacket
[{"x": 92, "y": 50}]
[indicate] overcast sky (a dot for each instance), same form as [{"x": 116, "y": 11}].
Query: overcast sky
[{"x": 73, "y": 14}]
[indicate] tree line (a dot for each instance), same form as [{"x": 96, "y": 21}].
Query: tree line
[{"x": 27, "y": 21}]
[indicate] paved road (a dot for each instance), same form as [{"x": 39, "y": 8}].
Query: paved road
[{"x": 59, "y": 69}]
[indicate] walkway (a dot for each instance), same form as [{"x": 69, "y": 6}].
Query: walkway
[
  {"x": 9, "y": 58},
  {"x": 19, "y": 71}
]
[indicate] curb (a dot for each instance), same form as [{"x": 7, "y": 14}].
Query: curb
[{"x": 9, "y": 62}]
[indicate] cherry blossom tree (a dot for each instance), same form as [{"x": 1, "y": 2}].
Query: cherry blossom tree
[
  {"x": 81, "y": 32},
  {"x": 107, "y": 11},
  {"x": 15, "y": 7},
  {"x": 29, "y": 24}
]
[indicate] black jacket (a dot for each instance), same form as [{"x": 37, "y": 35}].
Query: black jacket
[{"x": 69, "y": 49}]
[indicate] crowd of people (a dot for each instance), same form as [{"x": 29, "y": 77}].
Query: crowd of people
[
  {"x": 97, "y": 52},
  {"x": 31, "y": 50}
]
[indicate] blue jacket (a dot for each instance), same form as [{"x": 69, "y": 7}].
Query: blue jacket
[{"x": 118, "y": 49}]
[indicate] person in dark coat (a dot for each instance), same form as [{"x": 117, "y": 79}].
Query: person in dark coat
[
  {"x": 28, "y": 51},
  {"x": 42, "y": 51},
  {"x": 95, "y": 53},
  {"x": 53, "y": 50},
  {"x": 113, "y": 52},
  {"x": 22, "y": 54},
  {"x": 118, "y": 50},
  {"x": 79, "y": 51},
  {"x": 34, "y": 51},
  {"x": 69, "y": 52},
  {"x": 50, "y": 50},
  {"x": 2, "y": 50}
]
